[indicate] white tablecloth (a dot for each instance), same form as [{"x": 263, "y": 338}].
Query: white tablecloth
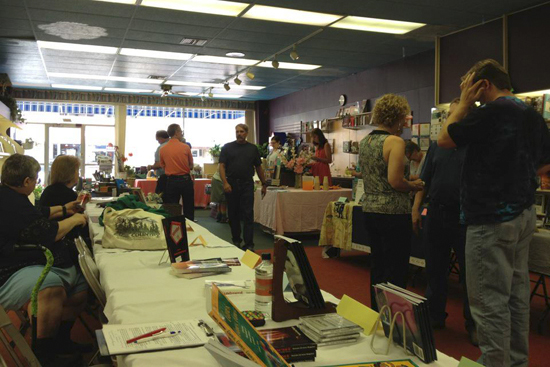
[
  {"x": 294, "y": 210},
  {"x": 139, "y": 290}
]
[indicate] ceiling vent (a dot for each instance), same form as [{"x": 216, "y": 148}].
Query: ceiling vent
[
  {"x": 192, "y": 42},
  {"x": 156, "y": 77}
]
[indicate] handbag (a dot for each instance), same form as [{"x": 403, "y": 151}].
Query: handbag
[{"x": 133, "y": 229}]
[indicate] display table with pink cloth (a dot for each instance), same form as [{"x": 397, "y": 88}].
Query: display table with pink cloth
[
  {"x": 202, "y": 200},
  {"x": 145, "y": 185},
  {"x": 294, "y": 210}
]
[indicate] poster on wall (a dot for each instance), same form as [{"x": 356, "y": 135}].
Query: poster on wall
[
  {"x": 424, "y": 129},
  {"x": 424, "y": 143}
]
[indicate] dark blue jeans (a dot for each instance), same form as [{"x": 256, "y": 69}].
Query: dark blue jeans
[
  {"x": 240, "y": 206},
  {"x": 443, "y": 231},
  {"x": 181, "y": 187}
]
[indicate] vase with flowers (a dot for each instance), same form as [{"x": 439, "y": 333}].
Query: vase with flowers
[{"x": 296, "y": 163}]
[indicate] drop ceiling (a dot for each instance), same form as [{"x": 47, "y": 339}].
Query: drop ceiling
[{"x": 340, "y": 52}]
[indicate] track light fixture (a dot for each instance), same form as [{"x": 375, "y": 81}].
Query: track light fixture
[
  {"x": 275, "y": 63},
  {"x": 293, "y": 54},
  {"x": 250, "y": 75},
  {"x": 237, "y": 80},
  {"x": 226, "y": 86}
]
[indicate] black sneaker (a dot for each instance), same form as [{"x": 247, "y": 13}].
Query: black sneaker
[{"x": 248, "y": 247}]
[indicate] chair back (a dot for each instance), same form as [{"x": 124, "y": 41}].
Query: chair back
[
  {"x": 91, "y": 274},
  {"x": 82, "y": 247},
  {"x": 25, "y": 357}
]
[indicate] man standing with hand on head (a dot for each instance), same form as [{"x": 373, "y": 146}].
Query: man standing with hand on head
[
  {"x": 508, "y": 144},
  {"x": 237, "y": 162}
]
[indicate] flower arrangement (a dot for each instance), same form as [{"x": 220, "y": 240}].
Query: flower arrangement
[{"x": 296, "y": 162}]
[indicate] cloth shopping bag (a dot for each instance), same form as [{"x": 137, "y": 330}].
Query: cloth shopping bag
[{"x": 133, "y": 229}]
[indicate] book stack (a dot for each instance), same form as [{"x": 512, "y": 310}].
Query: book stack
[
  {"x": 418, "y": 338},
  {"x": 330, "y": 329},
  {"x": 199, "y": 268},
  {"x": 289, "y": 342}
]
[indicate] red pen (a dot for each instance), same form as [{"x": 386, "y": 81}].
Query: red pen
[{"x": 146, "y": 335}]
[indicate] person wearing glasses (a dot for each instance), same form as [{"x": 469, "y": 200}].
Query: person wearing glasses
[{"x": 62, "y": 296}]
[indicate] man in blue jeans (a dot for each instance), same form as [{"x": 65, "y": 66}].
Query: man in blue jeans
[
  {"x": 508, "y": 144},
  {"x": 237, "y": 162}
]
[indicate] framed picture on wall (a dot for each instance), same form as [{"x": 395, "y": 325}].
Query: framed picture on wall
[{"x": 424, "y": 143}]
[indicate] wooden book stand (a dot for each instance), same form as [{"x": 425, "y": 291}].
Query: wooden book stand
[{"x": 283, "y": 310}]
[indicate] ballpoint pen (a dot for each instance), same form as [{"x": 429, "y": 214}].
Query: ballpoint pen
[
  {"x": 146, "y": 335},
  {"x": 158, "y": 336}
]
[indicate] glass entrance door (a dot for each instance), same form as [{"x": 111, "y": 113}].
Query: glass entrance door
[{"x": 64, "y": 140}]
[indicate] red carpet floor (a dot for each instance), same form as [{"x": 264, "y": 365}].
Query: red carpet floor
[{"x": 350, "y": 274}]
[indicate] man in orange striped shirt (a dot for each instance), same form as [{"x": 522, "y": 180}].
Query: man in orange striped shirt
[{"x": 177, "y": 161}]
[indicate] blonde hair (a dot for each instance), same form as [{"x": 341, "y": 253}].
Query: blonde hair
[
  {"x": 390, "y": 109},
  {"x": 63, "y": 169}
]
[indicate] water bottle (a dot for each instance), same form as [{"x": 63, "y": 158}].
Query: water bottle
[{"x": 264, "y": 285}]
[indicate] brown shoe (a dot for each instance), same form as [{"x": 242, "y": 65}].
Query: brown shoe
[{"x": 472, "y": 335}]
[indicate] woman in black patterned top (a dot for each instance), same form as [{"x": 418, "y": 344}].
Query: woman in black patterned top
[
  {"x": 63, "y": 293},
  {"x": 387, "y": 204}
]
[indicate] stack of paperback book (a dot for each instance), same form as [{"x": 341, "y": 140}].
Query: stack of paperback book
[
  {"x": 199, "y": 268},
  {"x": 418, "y": 338},
  {"x": 330, "y": 329},
  {"x": 289, "y": 342}
]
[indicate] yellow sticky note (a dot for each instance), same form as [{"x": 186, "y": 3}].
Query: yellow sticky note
[
  {"x": 465, "y": 362},
  {"x": 358, "y": 313},
  {"x": 201, "y": 241},
  {"x": 251, "y": 259}
]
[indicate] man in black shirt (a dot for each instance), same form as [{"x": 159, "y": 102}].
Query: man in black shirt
[
  {"x": 508, "y": 144},
  {"x": 237, "y": 162},
  {"x": 443, "y": 229}
]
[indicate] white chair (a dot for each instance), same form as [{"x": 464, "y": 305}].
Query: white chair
[{"x": 91, "y": 274}]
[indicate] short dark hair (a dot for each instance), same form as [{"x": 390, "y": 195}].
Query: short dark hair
[
  {"x": 276, "y": 138},
  {"x": 17, "y": 168},
  {"x": 320, "y": 135},
  {"x": 243, "y": 126},
  {"x": 172, "y": 129},
  {"x": 492, "y": 71},
  {"x": 411, "y": 147},
  {"x": 162, "y": 134}
]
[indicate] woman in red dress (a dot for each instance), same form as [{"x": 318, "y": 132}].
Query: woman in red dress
[{"x": 323, "y": 156}]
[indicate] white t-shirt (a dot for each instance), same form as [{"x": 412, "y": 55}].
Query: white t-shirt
[{"x": 416, "y": 168}]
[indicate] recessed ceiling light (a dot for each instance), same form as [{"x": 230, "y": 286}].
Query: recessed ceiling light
[
  {"x": 69, "y": 86},
  {"x": 289, "y": 65},
  {"x": 77, "y": 47},
  {"x": 155, "y": 54},
  {"x": 212, "y": 96},
  {"x": 104, "y": 77},
  {"x": 128, "y": 90},
  {"x": 284, "y": 15},
  {"x": 217, "y": 7},
  {"x": 377, "y": 25},
  {"x": 234, "y": 54}
]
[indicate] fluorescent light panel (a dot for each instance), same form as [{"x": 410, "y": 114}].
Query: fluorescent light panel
[
  {"x": 376, "y": 25},
  {"x": 289, "y": 65},
  {"x": 104, "y": 77},
  {"x": 128, "y": 90},
  {"x": 228, "y": 8},
  {"x": 155, "y": 54},
  {"x": 214, "y": 96},
  {"x": 77, "y": 47},
  {"x": 69, "y": 86},
  {"x": 276, "y": 14},
  {"x": 213, "y": 85}
]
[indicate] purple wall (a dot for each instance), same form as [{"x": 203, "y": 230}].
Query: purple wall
[{"x": 412, "y": 77}]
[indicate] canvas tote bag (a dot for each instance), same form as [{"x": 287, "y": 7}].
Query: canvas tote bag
[{"x": 133, "y": 229}]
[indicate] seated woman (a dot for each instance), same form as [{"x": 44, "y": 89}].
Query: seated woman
[
  {"x": 63, "y": 293},
  {"x": 63, "y": 177},
  {"x": 323, "y": 156}
]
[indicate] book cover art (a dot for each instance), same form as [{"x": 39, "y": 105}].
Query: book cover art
[
  {"x": 176, "y": 238},
  {"x": 296, "y": 279},
  {"x": 413, "y": 332}
]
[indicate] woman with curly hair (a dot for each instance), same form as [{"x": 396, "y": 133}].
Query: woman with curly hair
[{"x": 387, "y": 205}]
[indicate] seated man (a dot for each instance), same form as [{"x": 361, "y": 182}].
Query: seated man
[{"x": 63, "y": 293}]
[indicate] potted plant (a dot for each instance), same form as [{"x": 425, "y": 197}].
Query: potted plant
[
  {"x": 130, "y": 175},
  {"x": 263, "y": 150},
  {"x": 215, "y": 152}
]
